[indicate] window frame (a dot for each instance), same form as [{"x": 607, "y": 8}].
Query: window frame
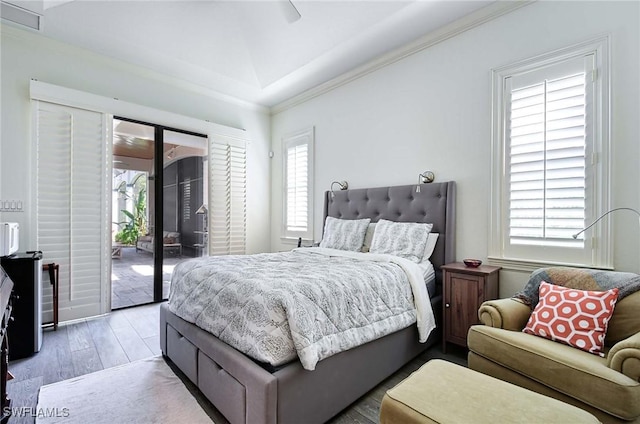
[
  {"x": 597, "y": 249},
  {"x": 305, "y": 136}
]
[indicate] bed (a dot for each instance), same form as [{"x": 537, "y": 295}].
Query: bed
[{"x": 245, "y": 391}]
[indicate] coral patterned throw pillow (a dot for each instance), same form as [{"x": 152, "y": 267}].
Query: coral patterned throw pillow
[{"x": 578, "y": 318}]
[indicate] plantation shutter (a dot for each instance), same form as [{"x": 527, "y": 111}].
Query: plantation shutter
[
  {"x": 298, "y": 164},
  {"x": 72, "y": 205},
  {"x": 547, "y": 130},
  {"x": 297, "y": 187},
  {"x": 228, "y": 198},
  {"x": 186, "y": 200}
]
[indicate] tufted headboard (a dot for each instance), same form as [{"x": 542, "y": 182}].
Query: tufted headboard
[{"x": 435, "y": 203}]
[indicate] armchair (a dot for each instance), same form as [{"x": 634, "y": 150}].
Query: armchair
[{"x": 608, "y": 387}]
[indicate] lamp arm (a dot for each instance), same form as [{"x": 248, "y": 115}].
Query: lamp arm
[
  {"x": 602, "y": 216},
  {"x": 342, "y": 184}
]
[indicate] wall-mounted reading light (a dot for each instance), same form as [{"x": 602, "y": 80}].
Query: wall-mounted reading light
[
  {"x": 342, "y": 184},
  {"x": 425, "y": 178},
  {"x": 575, "y": 236}
]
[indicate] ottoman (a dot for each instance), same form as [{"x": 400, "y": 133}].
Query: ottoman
[{"x": 442, "y": 392}]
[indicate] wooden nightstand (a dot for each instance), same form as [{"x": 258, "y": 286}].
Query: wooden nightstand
[{"x": 465, "y": 289}]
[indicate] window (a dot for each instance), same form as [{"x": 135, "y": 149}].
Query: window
[
  {"x": 298, "y": 185},
  {"x": 550, "y": 172},
  {"x": 186, "y": 200}
]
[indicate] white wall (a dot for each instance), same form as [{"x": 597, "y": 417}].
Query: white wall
[
  {"x": 432, "y": 111},
  {"x": 26, "y": 55}
]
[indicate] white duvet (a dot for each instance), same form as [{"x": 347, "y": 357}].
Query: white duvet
[{"x": 311, "y": 303}]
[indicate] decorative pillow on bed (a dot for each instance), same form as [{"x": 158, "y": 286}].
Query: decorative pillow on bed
[
  {"x": 344, "y": 234},
  {"x": 404, "y": 239},
  {"x": 432, "y": 239},
  {"x": 578, "y": 318}
]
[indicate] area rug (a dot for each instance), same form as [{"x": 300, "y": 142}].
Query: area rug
[{"x": 144, "y": 391}]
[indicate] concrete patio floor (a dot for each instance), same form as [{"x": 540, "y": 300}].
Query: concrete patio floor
[{"x": 132, "y": 277}]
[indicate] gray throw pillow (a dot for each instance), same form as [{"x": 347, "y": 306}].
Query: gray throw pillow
[{"x": 344, "y": 234}]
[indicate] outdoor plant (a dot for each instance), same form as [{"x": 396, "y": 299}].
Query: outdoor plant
[{"x": 136, "y": 224}]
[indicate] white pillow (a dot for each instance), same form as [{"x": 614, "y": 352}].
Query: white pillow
[
  {"x": 432, "y": 239},
  {"x": 344, "y": 234},
  {"x": 368, "y": 237},
  {"x": 404, "y": 239}
]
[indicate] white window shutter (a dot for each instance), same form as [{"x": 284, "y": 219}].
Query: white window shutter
[
  {"x": 547, "y": 159},
  {"x": 298, "y": 185},
  {"x": 227, "y": 199},
  {"x": 186, "y": 200},
  {"x": 72, "y": 204}
]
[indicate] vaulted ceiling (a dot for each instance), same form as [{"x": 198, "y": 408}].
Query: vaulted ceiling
[{"x": 250, "y": 50}]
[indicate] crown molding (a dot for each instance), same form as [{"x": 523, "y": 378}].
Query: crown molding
[
  {"x": 475, "y": 19},
  {"x": 52, "y": 93}
]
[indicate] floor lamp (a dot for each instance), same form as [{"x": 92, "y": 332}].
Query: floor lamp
[{"x": 204, "y": 211}]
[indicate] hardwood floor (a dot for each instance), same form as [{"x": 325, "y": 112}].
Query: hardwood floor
[
  {"x": 81, "y": 348},
  {"x": 130, "y": 334},
  {"x": 366, "y": 410}
]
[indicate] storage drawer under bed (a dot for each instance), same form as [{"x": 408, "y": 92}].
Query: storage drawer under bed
[
  {"x": 183, "y": 353},
  {"x": 216, "y": 384},
  {"x": 221, "y": 389}
]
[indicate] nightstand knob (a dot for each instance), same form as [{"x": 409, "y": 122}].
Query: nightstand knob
[{"x": 447, "y": 305}]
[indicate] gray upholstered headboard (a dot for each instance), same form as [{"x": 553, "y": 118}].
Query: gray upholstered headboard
[{"x": 435, "y": 203}]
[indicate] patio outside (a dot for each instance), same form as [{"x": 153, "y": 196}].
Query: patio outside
[{"x": 132, "y": 277}]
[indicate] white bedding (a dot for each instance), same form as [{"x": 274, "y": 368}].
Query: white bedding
[
  {"x": 428, "y": 271},
  {"x": 311, "y": 302}
]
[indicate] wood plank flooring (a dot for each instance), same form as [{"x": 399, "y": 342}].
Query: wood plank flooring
[
  {"x": 130, "y": 334},
  {"x": 83, "y": 347}
]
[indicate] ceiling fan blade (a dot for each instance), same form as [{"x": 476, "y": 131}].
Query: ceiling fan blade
[{"x": 290, "y": 11}]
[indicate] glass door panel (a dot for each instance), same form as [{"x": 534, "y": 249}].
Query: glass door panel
[
  {"x": 132, "y": 253},
  {"x": 184, "y": 201}
]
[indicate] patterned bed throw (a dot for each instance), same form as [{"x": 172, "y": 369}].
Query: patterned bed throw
[
  {"x": 311, "y": 302},
  {"x": 578, "y": 278}
]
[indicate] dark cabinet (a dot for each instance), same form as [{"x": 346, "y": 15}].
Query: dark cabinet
[
  {"x": 25, "y": 332},
  {"x": 465, "y": 289},
  {"x": 6, "y": 286}
]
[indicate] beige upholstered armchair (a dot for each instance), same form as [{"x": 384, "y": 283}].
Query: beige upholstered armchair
[{"x": 608, "y": 387}]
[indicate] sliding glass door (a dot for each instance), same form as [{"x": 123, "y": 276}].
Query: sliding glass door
[{"x": 158, "y": 216}]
